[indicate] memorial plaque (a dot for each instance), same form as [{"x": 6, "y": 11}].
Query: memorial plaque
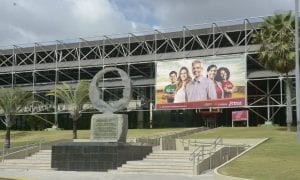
[{"x": 109, "y": 127}]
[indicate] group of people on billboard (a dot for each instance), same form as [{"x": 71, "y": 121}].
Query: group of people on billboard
[{"x": 185, "y": 88}]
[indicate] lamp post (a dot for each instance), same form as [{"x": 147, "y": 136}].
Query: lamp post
[{"x": 297, "y": 69}]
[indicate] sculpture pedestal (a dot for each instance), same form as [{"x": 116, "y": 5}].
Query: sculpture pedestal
[
  {"x": 109, "y": 127},
  {"x": 95, "y": 156},
  {"x": 106, "y": 150}
]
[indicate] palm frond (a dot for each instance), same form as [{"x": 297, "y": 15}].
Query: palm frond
[
  {"x": 276, "y": 39},
  {"x": 12, "y": 100},
  {"x": 75, "y": 98}
]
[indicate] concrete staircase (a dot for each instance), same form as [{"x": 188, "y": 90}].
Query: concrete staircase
[
  {"x": 38, "y": 161},
  {"x": 161, "y": 162}
]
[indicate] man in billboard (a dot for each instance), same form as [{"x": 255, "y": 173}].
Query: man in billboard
[
  {"x": 200, "y": 88},
  {"x": 170, "y": 89}
]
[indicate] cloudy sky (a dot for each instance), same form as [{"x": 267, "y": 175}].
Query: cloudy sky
[{"x": 28, "y": 21}]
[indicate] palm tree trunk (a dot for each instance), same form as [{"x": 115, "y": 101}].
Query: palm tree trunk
[
  {"x": 289, "y": 115},
  {"x": 74, "y": 128},
  {"x": 7, "y": 138}
]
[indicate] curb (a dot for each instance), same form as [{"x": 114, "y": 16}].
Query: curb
[{"x": 219, "y": 176}]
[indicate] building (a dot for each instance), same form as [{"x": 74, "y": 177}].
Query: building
[{"x": 40, "y": 67}]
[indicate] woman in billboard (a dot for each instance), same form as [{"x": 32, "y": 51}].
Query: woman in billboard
[
  {"x": 183, "y": 79},
  {"x": 211, "y": 74},
  {"x": 224, "y": 74}
]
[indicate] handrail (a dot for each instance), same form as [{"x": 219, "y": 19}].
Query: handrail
[
  {"x": 197, "y": 156},
  {"x": 26, "y": 148},
  {"x": 155, "y": 140},
  {"x": 183, "y": 141},
  {"x": 19, "y": 149},
  {"x": 200, "y": 146},
  {"x": 193, "y": 154}
]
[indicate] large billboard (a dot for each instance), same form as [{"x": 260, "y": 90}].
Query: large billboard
[{"x": 214, "y": 81}]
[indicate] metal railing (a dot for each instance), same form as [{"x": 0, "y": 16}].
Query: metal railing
[
  {"x": 167, "y": 141},
  {"x": 200, "y": 151},
  {"x": 209, "y": 156},
  {"x": 21, "y": 152}
]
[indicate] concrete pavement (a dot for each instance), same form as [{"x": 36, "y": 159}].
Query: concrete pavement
[{"x": 78, "y": 175}]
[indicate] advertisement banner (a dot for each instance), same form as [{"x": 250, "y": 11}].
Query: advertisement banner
[
  {"x": 216, "y": 81},
  {"x": 240, "y": 115}
]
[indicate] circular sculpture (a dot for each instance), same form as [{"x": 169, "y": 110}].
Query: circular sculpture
[{"x": 94, "y": 92}]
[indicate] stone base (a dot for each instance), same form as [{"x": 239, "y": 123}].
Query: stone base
[
  {"x": 109, "y": 127},
  {"x": 95, "y": 156}
]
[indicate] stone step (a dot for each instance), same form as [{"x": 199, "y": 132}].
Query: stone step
[
  {"x": 29, "y": 159},
  {"x": 46, "y": 150},
  {"x": 39, "y": 161},
  {"x": 171, "y": 152},
  {"x": 155, "y": 170},
  {"x": 25, "y": 167},
  {"x": 167, "y": 156},
  {"x": 38, "y": 157},
  {"x": 43, "y": 153},
  {"x": 159, "y": 163},
  {"x": 168, "y": 160},
  {"x": 116, "y": 171},
  {"x": 26, "y": 162},
  {"x": 34, "y": 158},
  {"x": 157, "y": 166}
]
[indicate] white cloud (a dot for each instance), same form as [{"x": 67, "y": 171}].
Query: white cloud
[
  {"x": 25, "y": 21},
  {"x": 187, "y": 12},
  {"x": 49, "y": 20},
  {"x": 92, "y": 10}
]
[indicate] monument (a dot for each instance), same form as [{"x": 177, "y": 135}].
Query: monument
[
  {"x": 109, "y": 127},
  {"x": 107, "y": 147}
]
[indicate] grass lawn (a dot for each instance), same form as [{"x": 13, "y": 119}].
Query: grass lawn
[
  {"x": 23, "y": 137},
  {"x": 277, "y": 158}
]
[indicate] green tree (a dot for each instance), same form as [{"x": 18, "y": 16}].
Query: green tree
[
  {"x": 12, "y": 100},
  {"x": 74, "y": 99},
  {"x": 277, "y": 50}
]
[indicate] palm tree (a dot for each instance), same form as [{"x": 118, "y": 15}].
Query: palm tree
[
  {"x": 277, "y": 50},
  {"x": 12, "y": 100},
  {"x": 75, "y": 99}
]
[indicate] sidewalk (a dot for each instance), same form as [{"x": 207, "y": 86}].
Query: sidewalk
[{"x": 79, "y": 175}]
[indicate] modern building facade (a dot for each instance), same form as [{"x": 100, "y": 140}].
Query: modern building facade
[{"x": 40, "y": 67}]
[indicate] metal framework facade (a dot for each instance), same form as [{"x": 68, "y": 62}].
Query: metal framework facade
[{"x": 40, "y": 67}]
